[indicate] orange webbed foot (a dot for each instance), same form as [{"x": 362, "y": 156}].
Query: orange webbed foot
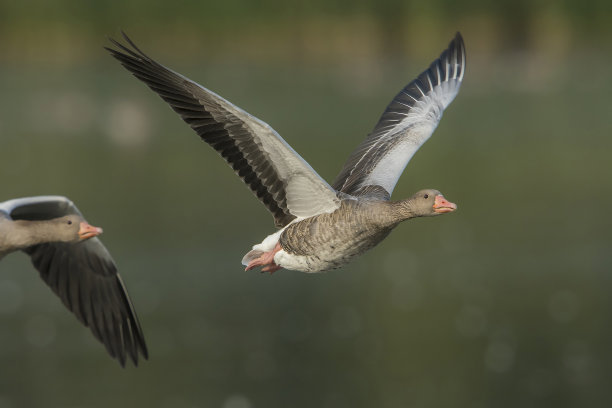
[{"x": 266, "y": 260}]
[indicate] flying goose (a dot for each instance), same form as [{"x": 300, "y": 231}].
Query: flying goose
[
  {"x": 322, "y": 227},
  {"x": 77, "y": 267}
]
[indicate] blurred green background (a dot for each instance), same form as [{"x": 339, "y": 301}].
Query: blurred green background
[{"x": 505, "y": 303}]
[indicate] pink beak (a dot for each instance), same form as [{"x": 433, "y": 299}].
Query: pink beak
[
  {"x": 88, "y": 231},
  {"x": 442, "y": 205}
]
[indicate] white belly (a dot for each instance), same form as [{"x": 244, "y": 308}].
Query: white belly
[
  {"x": 310, "y": 263},
  {"x": 292, "y": 262}
]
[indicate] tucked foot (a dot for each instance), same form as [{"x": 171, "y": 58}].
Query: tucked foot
[
  {"x": 266, "y": 260},
  {"x": 271, "y": 268}
]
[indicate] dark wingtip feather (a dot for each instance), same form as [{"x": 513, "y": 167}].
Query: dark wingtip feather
[
  {"x": 459, "y": 37},
  {"x": 457, "y": 48},
  {"x": 125, "y": 36}
]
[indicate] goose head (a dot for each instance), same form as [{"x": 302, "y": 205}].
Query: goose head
[
  {"x": 429, "y": 202},
  {"x": 72, "y": 228}
]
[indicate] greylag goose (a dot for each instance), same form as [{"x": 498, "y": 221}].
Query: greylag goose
[
  {"x": 321, "y": 227},
  {"x": 77, "y": 267}
]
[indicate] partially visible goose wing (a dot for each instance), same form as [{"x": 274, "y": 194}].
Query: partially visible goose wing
[
  {"x": 409, "y": 120},
  {"x": 85, "y": 277},
  {"x": 278, "y": 176}
]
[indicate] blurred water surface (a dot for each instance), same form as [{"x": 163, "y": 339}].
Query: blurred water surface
[{"x": 504, "y": 303}]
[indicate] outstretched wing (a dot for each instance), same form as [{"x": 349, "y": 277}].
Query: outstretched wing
[
  {"x": 409, "y": 120},
  {"x": 278, "y": 176},
  {"x": 85, "y": 278}
]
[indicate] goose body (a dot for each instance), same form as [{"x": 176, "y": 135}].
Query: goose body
[
  {"x": 312, "y": 245},
  {"x": 330, "y": 240},
  {"x": 322, "y": 227},
  {"x": 70, "y": 258}
]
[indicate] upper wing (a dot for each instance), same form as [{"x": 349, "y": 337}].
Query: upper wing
[
  {"x": 409, "y": 120},
  {"x": 39, "y": 208},
  {"x": 278, "y": 176},
  {"x": 85, "y": 277}
]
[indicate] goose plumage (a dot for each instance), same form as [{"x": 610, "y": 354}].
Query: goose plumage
[
  {"x": 321, "y": 227},
  {"x": 70, "y": 258}
]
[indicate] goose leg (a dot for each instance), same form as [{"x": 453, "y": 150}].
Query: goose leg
[
  {"x": 271, "y": 268},
  {"x": 266, "y": 260}
]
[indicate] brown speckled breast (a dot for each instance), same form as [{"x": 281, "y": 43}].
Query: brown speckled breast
[{"x": 335, "y": 238}]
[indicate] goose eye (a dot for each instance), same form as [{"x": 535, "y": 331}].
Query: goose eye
[
  {"x": 426, "y": 196},
  {"x": 69, "y": 222}
]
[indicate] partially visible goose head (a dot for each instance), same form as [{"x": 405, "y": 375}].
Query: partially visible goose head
[
  {"x": 70, "y": 228},
  {"x": 427, "y": 203}
]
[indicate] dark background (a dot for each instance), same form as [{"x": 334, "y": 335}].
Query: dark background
[{"x": 504, "y": 303}]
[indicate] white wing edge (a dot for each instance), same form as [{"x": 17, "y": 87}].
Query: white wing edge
[{"x": 10, "y": 205}]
